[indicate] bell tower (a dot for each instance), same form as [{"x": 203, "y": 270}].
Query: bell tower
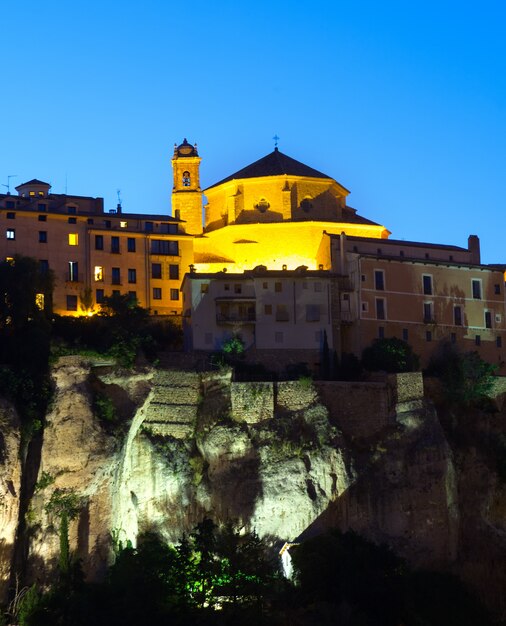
[{"x": 186, "y": 192}]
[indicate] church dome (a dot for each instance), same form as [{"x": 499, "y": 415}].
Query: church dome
[{"x": 185, "y": 149}]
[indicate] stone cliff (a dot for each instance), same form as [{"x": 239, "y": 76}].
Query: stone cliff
[{"x": 287, "y": 459}]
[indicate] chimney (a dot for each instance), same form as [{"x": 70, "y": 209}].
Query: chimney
[{"x": 473, "y": 245}]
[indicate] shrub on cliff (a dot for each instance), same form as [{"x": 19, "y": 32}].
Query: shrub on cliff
[{"x": 390, "y": 355}]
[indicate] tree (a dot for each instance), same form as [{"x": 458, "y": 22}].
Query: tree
[{"x": 390, "y": 355}]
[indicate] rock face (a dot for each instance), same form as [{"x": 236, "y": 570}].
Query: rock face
[
  {"x": 10, "y": 484},
  {"x": 159, "y": 450}
]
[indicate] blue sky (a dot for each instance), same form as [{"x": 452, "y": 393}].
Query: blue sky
[{"x": 403, "y": 103}]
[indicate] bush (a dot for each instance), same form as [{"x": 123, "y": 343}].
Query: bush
[{"x": 390, "y": 355}]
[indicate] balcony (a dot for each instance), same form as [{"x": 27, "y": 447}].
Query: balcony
[
  {"x": 235, "y": 311},
  {"x": 236, "y": 318}
]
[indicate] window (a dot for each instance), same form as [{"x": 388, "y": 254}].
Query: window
[
  {"x": 497, "y": 289},
  {"x": 365, "y": 307},
  {"x": 379, "y": 251},
  {"x": 457, "y": 315},
  {"x": 71, "y": 210},
  {"x": 379, "y": 280},
  {"x": 42, "y": 218},
  {"x": 159, "y": 246},
  {"x": 380, "y": 309},
  {"x": 237, "y": 288},
  {"x": 401, "y": 253},
  {"x": 312, "y": 312},
  {"x": 498, "y": 341},
  {"x": 426, "y": 255},
  {"x": 186, "y": 179},
  {"x": 132, "y": 296},
  {"x": 427, "y": 284},
  {"x": 73, "y": 239},
  {"x": 99, "y": 296},
  {"x": 488, "y": 319},
  {"x": 428, "y": 335},
  {"x": 99, "y": 242},
  {"x": 72, "y": 220},
  {"x": 278, "y": 287},
  {"x": 73, "y": 271},
  {"x": 107, "y": 223},
  {"x": 170, "y": 229},
  {"x": 428, "y": 312},
  {"x": 11, "y": 216},
  {"x": 39, "y": 301},
  {"x": 265, "y": 285},
  {"x": 90, "y": 221},
  {"x": 476, "y": 288},
  {"x": 226, "y": 287},
  {"x": 204, "y": 288},
  {"x": 381, "y": 332},
  {"x": 157, "y": 293},
  {"x": 174, "y": 294},
  {"x": 131, "y": 244},
  {"x": 282, "y": 313},
  {"x": 9, "y": 204},
  {"x": 363, "y": 278},
  {"x": 71, "y": 303},
  {"x": 132, "y": 275},
  {"x": 10, "y": 233},
  {"x": 148, "y": 227},
  {"x": 405, "y": 334},
  {"x": 44, "y": 266},
  {"x": 115, "y": 245},
  {"x": 268, "y": 309},
  {"x": 116, "y": 276},
  {"x": 98, "y": 273},
  {"x": 278, "y": 337},
  {"x": 477, "y": 340},
  {"x": 174, "y": 272},
  {"x": 156, "y": 270},
  {"x": 123, "y": 224},
  {"x": 318, "y": 287},
  {"x": 42, "y": 236},
  {"x": 453, "y": 338},
  {"x": 115, "y": 292}
]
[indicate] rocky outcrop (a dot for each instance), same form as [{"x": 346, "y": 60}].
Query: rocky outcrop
[
  {"x": 10, "y": 485},
  {"x": 286, "y": 459}
]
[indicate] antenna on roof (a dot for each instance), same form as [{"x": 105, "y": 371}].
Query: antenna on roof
[
  {"x": 118, "y": 206},
  {"x": 65, "y": 183},
  {"x": 276, "y": 139},
  {"x": 8, "y": 185}
]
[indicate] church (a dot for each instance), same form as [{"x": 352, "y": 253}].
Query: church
[{"x": 275, "y": 256}]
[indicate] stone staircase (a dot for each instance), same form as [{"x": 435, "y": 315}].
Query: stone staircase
[{"x": 174, "y": 405}]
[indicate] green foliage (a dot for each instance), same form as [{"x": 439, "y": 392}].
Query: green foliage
[
  {"x": 233, "y": 346},
  {"x": 467, "y": 379},
  {"x": 390, "y": 355},
  {"x": 65, "y": 504},
  {"x": 104, "y": 408},
  {"x": 28, "y": 605},
  {"x": 46, "y": 479}
]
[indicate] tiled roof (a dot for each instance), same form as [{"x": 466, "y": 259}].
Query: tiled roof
[
  {"x": 274, "y": 164},
  {"x": 34, "y": 181}
]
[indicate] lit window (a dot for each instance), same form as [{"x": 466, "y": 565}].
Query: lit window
[
  {"x": 174, "y": 294},
  {"x": 123, "y": 224},
  {"x": 10, "y": 233},
  {"x": 39, "y": 301},
  {"x": 98, "y": 273},
  {"x": 31, "y": 194},
  {"x": 73, "y": 272},
  {"x": 73, "y": 239}
]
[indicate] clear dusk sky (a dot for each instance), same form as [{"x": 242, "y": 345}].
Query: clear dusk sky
[{"x": 404, "y": 103}]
